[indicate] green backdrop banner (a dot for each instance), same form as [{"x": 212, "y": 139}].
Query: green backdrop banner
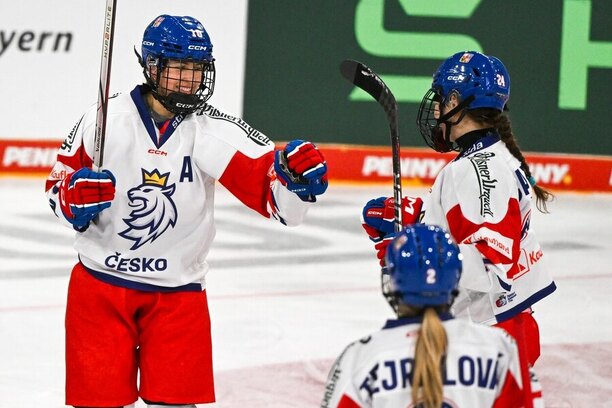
[{"x": 558, "y": 53}]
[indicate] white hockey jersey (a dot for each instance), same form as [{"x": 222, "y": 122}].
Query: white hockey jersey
[
  {"x": 158, "y": 231},
  {"x": 481, "y": 367},
  {"x": 483, "y": 198}
]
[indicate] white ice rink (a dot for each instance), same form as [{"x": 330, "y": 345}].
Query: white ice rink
[{"x": 285, "y": 302}]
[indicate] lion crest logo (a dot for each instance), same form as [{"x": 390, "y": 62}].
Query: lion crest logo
[{"x": 153, "y": 210}]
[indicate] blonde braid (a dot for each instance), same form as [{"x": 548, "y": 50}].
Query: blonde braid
[{"x": 429, "y": 352}]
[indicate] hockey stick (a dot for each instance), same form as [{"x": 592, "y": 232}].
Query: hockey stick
[
  {"x": 363, "y": 77},
  {"x": 105, "y": 70}
]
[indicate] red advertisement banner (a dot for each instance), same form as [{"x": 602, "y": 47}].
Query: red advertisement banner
[
  {"x": 420, "y": 166},
  {"x": 27, "y": 157},
  {"x": 365, "y": 164}
]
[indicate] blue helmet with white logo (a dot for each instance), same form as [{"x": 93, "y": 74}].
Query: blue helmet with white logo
[
  {"x": 175, "y": 37},
  {"x": 424, "y": 267},
  {"x": 184, "y": 40},
  {"x": 478, "y": 81},
  {"x": 475, "y": 76}
]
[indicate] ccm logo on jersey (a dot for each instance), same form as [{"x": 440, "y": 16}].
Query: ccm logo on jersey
[{"x": 157, "y": 152}]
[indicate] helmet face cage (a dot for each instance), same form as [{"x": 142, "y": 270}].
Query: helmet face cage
[
  {"x": 180, "y": 85},
  {"x": 430, "y": 117},
  {"x": 428, "y": 122},
  {"x": 178, "y": 63},
  {"x": 386, "y": 286},
  {"x": 423, "y": 268}
]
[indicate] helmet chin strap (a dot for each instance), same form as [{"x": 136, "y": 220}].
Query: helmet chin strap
[
  {"x": 178, "y": 103},
  {"x": 446, "y": 144}
]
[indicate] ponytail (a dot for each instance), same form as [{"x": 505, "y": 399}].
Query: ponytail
[
  {"x": 429, "y": 351},
  {"x": 501, "y": 122}
]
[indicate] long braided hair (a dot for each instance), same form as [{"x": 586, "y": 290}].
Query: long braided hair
[{"x": 501, "y": 122}]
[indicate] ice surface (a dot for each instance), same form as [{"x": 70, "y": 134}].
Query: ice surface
[{"x": 284, "y": 301}]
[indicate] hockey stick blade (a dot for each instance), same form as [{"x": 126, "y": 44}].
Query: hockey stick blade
[{"x": 363, "y": 77}]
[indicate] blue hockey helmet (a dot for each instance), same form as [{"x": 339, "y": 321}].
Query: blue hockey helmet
[
  {"x": 475, "y": 76},
  {"x": 175, "y": 37},
  {"x": 424, "y": 267},
  {"x": 182, "y": 39},
  {"x": 477, "y": 80}
]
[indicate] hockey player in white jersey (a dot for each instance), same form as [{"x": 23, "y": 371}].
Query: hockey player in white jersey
[
  {"x": 136, "y": 300},
  {"x": 425, "y": 358},
  {"x": 483, "y": 197}
]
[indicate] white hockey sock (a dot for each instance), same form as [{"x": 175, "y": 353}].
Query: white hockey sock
[{"x": 536, "y": 389}]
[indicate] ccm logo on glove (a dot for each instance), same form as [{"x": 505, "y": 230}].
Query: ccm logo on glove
[
  {"x": 378, "y": 218},
  {"x": 301, "y": 167},
  {"x": 84, "y": 193}
]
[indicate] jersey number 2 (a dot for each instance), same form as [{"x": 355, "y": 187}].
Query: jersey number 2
[{"x": 431, "y": 276}]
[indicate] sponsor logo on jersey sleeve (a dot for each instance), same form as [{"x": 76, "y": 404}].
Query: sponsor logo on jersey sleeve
[
  {"x": 504, "y": 299},
  {"x": 253, "y": 134},
  {"x": 485, "y": 181},
  {"x": 69, "y": 141}
]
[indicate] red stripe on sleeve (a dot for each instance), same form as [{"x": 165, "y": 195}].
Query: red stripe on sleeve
[
  {"x": 493, "y": 240},
  {"x": 249, "y": 180},
  {"x": 68, "y": 164}
]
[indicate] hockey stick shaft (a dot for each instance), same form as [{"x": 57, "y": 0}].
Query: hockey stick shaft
[
  {"x": 104, "y": 84},
  {"x": 397, "y": 170},
  {"x": 365, "y": 78}
]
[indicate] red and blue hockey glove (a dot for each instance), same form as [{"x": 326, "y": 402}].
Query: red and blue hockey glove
[
  {"x": 84, "y": 193},
  {"x": 378, "y": 219},
  {"x": 301, "y": 167}
]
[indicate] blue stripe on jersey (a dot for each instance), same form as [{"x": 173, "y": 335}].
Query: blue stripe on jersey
[
  {"x": 148, "y": 122},
  {"x": 143, "y": 110},
  {"x": 526, "y": 303},
  {"x": 146, "y": 287},
  {"x": 402, "y": 321},
  {"x": 482, "y": 143},
  {"x": 504, "y": 285},
  {"x": 275, "y": 209}
]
